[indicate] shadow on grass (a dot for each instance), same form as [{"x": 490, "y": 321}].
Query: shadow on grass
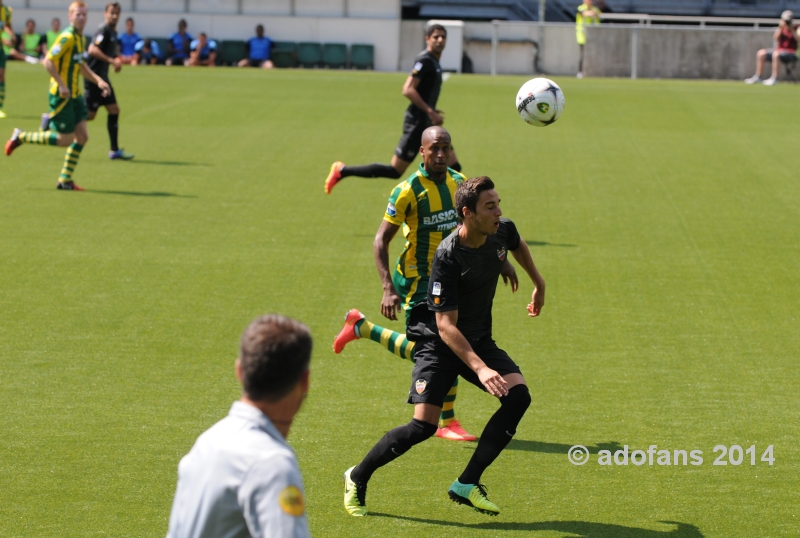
[
  {"x": 581, "y": 529},
  {"x": 548, "y": 244},
  {"x": 167, "y": 163},
  {"x": 134, "y": 193},
  {"x": 558, "y": 448}
]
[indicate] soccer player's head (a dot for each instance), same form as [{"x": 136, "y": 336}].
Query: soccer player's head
[
  {"x": 30, "y": 26},
  {"x": 436, "y": 38},
  {"x": 112, "y": 13},
  {"x": 56, "y": 24},
  {"x": 260, "y": 30},
  {"x": 274, "y": 355},
  {"x": 77, "y": 15},
  {"x": 129, "y": 25},
  {"x": 202, "y": 39},
  {"x": 435, "y": 150},
  {"x": 478, "y": 205},
  {"x": 182, "y": 25}
]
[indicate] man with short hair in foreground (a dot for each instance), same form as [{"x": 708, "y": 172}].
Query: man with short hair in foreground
[
  {"x": 241, "y": 478},
  {"x": 458, "y": 341}
]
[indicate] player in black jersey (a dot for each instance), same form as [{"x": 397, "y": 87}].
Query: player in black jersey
[
  {"x": 421, "y": 88},
  {"x": 104, "y": 51},
  {"x": 457, "y": 340}
]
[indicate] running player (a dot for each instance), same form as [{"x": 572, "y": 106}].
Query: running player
[
  {"x": 65, "y": 62},
  {"x": 103, "y": 51},
  {"x": 424, "y": 206},
  {"x": 5, "y": 24},
  {"x": 458, "y": 341},
  {"x": 422, "y": 89}
]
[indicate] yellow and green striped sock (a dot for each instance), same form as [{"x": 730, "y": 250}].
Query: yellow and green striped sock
[
  {"x": 393, "y": 341},
  {"x": 448, "y": 413},
  {"x": 41, "y": 138},
  {"x": 70, "y": 162},
  {"x": 2, "y": 93}
]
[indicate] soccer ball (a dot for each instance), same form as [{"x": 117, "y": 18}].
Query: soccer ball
[{"x": 540, "y": 102}]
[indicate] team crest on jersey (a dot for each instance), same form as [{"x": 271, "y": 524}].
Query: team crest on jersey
[
  {"x": 420, "y": 385},
  {"x": 56, "y": 50},
  {"x": 437, "y": 288},
  {"x": 501, "y": 253},
  {"x": 99, "y": 39},
  {"x": 417, "y": 67},
  {"x": 391, "y": 210}
]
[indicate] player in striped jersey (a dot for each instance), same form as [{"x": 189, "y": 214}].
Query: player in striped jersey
[
  {"x": 423, "y": 206},
  {"x": 5, "y": 25},
  {"x": 65, "y": 62}
]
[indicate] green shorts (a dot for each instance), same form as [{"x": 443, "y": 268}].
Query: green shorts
[
  {"x": 65, "y": 114},
  {"x": 413, "y": 291},
  {"x": 2, "y": 58}
]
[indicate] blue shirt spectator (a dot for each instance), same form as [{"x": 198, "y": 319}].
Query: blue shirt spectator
[
  {"x": 204, "y": 51},
  {"x": 258, "y": 50},
  {"x": 147, "y": 52},
  {"x": 128, "y": 40},
  {"x": 179, "y": 45}
]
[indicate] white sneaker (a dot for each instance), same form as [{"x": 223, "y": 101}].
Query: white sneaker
[
  {"x": 580, "y": 74},
  {"x": 752, "y": 80},
  {"x": 771, "y": 81}
]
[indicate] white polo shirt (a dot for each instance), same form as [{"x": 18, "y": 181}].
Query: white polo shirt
[{"x": 240, "y": 479}]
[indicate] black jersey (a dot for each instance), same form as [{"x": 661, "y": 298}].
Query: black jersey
[
  {"x": 465, "y": 279},
  {"x": 106, "y": 40},
  {"x": 429, "y": 72}
]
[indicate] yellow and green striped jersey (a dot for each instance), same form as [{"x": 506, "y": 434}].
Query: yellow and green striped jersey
[
  {"x": 5, "y": 16},
  {"x": 426, "y": 210},
  {"x": 68, "y": 53}
]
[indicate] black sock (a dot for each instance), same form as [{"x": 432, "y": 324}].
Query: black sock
[
  {"x": 456, "y": 166},
  {"x": 497, "y": 433},
  {"x": 371, "y": 170},
  {"x": 113, "y": 130},
  {"x": 393, "y": 445}
]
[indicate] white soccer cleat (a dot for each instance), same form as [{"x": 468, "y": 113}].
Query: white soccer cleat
[
  {"x": 752, "y": 80},
  {"x": 771, "y": 81}
]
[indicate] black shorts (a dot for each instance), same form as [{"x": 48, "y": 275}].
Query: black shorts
[
  {"x": 255, "y": 63},
  {"x": 437, "y": 367},
  {"x": 93, "y": 96},
  {"x": 408, "y": 146},
  {"x": 784, "y": 56}
]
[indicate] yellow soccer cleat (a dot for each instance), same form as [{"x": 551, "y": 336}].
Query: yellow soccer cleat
[
  {"x": 354, "y": 496},
  {"x": 473, "y": 495}
]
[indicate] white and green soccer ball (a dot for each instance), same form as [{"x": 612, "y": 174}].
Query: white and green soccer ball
[{"x": 540, "y": 102}]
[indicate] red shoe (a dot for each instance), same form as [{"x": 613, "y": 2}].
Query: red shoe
[
  {"x": 454, "y": 432},
  {"x": 348, "y": 332},
  {"x": 14, "y": 142},
  {"x": 334, "y": 176},
  {"x": 68, "y": 186}
]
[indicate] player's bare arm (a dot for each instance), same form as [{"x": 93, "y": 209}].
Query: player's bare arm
[
  {"x": 50, "y": 67},
  {"x": 90, "y": 75},
  {"x": 455, "y": 340},
  {"x": 525, "y": 260},
  {"x": 410, "y": 91},
  {"x": 390, "y": 303},
  {"x": 509, "y": 274},
  {"x": 95, "y": 52}
]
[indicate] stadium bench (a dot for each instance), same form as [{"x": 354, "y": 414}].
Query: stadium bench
[
  {"x": 334, "y": 55},
  {"x": 283, "y": 54},
  {"x": 362, "y": 56},
  {"x": 232, "y": 51},
  {"x": 163, "y": 44},
  {"x": 309, "y": 54}
]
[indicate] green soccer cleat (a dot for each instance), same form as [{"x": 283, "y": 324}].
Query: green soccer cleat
[
  {"x": 354, "y": 496},
  {"x": 473, "y": 495}
]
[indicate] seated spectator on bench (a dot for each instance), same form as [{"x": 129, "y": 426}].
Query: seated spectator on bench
[
  {"x": 146, "y": 52},
  {"x": 11, "y": 52},
  {"x": 786, "y": 37},
  {"x": 31, "y": 43},
  {"x": 127, "y": 43},
  {"x": 53, "y": 33},
  {"x": 179, "y": 45},
  {"x": 258, "y": 49},
  {"x": 204, "y": 51}
]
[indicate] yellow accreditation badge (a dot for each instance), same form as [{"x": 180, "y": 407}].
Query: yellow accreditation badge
[{"x": 291, "y": 501}]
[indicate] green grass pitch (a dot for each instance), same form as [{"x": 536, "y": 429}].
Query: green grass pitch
[{"x": 663, "y": 215}]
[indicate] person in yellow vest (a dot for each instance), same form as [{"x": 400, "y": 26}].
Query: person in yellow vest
[
  {"x": 31, "y": 44},
  {"x": 586, "y": 14},
  {"x": 5, "y": 26},
  {"x": 65, "y": 62}
]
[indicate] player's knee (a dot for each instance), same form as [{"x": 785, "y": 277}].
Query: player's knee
[
  {"x": 517, "y": 399},
  {"x": 423, "y": 430}
]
